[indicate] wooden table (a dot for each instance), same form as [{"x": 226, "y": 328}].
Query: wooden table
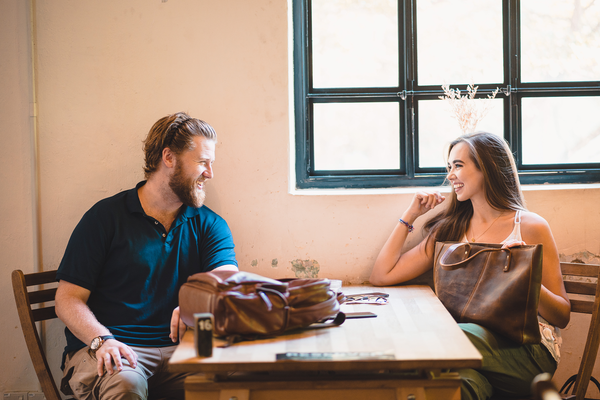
[{"x": 403, "y": 353}]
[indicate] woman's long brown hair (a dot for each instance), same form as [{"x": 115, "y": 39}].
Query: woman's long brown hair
[{"x": 493, "y": 158}]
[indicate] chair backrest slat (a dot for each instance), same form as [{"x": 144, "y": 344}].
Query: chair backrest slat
[
  {"x": 581, "y": 288},
  {"x": 583, "y": 307},
  {"x": 578, "y": 269},
  {"x": 42, "y": 296},
  {"x": 40, "y": 278},
  {"x": 43, "y": 314}
]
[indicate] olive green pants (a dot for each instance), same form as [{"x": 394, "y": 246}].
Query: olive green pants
[
  {"x": 151, "y": 379},
  {"x": 508, "y": 368}
]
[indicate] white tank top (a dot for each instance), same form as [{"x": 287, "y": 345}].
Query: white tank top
[{"x": 514, "y": 235}]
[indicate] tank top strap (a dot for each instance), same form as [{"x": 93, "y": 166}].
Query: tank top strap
[{"x": 516, "y": 232}]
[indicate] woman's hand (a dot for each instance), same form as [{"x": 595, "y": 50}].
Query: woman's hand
[
  {"x": 513, "y": 243},
  {"x": 422, "y": 202},
  {"x": 388, "y": 269}
]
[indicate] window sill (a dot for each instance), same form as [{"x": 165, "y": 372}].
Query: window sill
[{"x": 442, "y": 189}]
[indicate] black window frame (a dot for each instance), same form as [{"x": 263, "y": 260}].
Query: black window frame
[{"x": 407, "y": 94}]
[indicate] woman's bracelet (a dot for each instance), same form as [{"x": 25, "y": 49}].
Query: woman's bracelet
[{"x": 409, "y": 226}]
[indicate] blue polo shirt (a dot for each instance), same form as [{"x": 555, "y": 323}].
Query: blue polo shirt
[{"x": 134, "y": 268}]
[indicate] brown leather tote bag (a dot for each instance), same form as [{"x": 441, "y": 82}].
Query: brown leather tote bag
[
  {"x": 496, "y": 288},
  {"x": 250, "y": 305}
]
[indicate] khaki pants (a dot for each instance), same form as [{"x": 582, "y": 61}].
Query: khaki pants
[{"x": 149, "y": 380}]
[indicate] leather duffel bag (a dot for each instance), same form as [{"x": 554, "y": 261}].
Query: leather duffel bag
[{"x": 247, "y": 304}]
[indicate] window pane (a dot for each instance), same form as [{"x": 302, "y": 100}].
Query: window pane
[
  {"x": 351, "y": 136},
  {"x": 561, "y": 130},
  {"x": 355, "y": 43},
  {"x": 438, "y": 127},
  {"x": 560, "y": 40},
  {"x": 459, "y": 41}
]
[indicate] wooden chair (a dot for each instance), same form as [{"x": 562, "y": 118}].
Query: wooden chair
[
  {"x": 585, "y": 306},
  {"x": 25, "y": 298},
  {"x": 575, "y": 288}
]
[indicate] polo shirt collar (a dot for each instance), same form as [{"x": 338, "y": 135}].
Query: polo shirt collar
[
  {"x": 135, "y": 206},
  {"x": 189, "y": 212},
  {"x": 133, "y": 200}
]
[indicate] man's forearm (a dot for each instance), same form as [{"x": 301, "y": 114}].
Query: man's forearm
[
  {"x": 80, "y": 320},
  {"x": 228, "y": 267}
]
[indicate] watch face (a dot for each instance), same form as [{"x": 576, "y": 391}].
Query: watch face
[{"x": 95, "y": 343}]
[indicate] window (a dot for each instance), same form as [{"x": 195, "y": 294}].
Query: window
[{"x": 368, "y": 76}]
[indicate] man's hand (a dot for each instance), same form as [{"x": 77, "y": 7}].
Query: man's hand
[
  {"x": 178, "y": 328},
  {"x": 109, "y": 356}
]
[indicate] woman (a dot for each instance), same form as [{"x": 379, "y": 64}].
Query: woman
[{"x": 486, "y": 206}]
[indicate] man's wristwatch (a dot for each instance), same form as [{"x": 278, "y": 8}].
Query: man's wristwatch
[{"x": 98, "y": 341}]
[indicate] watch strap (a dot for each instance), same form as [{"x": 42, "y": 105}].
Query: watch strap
[{"x": 102, "y": 339}]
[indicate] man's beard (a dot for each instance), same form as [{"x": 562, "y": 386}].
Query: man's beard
[{"x": 186, "y": 189}]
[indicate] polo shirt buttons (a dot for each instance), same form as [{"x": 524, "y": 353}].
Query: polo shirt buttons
[
  {"x": 155, "y": 222},
  {"x": 164, "y": 235}
]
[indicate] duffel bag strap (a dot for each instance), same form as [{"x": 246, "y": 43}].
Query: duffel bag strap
[
  {"x": 335, "y": 321},
  {"x": 261, "y": 291}
]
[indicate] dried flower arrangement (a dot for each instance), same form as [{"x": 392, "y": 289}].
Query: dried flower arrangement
[{"x": 467, "y": 110}]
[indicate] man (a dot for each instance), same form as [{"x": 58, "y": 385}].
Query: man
[{"x": 125, "y": 262}]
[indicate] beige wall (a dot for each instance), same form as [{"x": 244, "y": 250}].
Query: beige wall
[
  {"x": 17, "y": 244},
  {"x": 107, "y": 70}
]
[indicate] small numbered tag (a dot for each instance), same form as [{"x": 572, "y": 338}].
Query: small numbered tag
[{"x": 203, "y": 334}]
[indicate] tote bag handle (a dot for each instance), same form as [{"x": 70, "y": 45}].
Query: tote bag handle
[{"x": 456, "y": 248}]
